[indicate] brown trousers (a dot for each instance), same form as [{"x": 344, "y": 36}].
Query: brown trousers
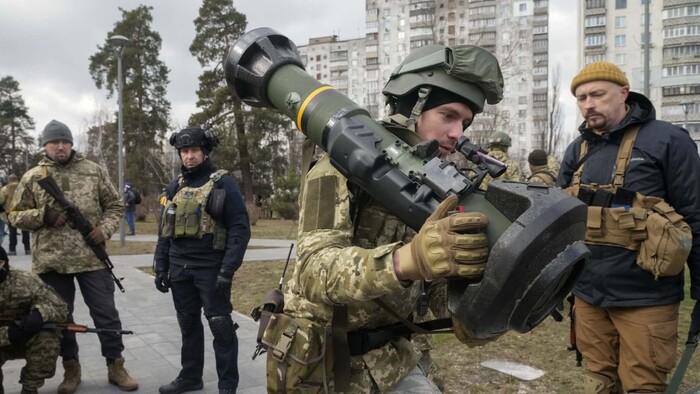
[{"x": 636, "y": 345}]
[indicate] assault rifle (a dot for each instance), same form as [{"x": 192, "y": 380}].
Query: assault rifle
[
  {"x": 79, "y": 223},
  {"x": 69, "y": 327}
]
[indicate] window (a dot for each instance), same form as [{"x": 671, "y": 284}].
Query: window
[
  {"x": 620, "y": 4},
  {"x": 595, "y": 40},
  {"x": 644, "y": 38},
  {"x": 522, "y": 100},
  {"x": 598, "y": 57},
  {"x": 522, "y": 7},
  {"x": 539, "y": 97},
  {"x": 689, "y": 69},
  {"x": 620, "y": 22},
  {"x": 620, "y": 40},
  {"x": 595, "y": 20},
  {"x": 595, "y": 4},
  {"x": 620, "y": 58}
]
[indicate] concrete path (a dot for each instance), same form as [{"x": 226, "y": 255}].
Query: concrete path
[{"x": 153, "y": 353}]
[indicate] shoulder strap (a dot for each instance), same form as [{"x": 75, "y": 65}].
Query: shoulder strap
[
  {"x": 341, "y": 349},
  {"x": 624, "y": 153}
]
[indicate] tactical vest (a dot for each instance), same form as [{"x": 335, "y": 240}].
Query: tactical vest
[
  {"x": 546, "y": 176},
  {"x": 186, "y": 215},
  {"x": 619, "y": 217}
]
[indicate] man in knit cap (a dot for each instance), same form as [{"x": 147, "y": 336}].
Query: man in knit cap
[
  {"x": 631, "y": 168},
  {"x": 539, "y": 170},
  {"x": 61, "y": 256}
]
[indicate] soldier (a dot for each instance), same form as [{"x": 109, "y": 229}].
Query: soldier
[
  {"x": 24, "y": 295},
  {"x": 204, "y": 233},
  {"x": 61, "y": 254},
  {"x": 498, "y": 145},
  {"x": 360, "y": 270},
  {"x": 641, "y": 179},
  {"x": 539, "y": 170},
  {"x": 6, "y": 194}
]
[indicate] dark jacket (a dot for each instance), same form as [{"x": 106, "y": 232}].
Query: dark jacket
[
  {"x": 198, "y": 252},
  {"x": 129, "y": 201},
  {"x": 665, "y": 164}
]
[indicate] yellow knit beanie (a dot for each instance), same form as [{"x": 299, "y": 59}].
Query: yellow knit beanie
[{"x": 599, "y": 71}]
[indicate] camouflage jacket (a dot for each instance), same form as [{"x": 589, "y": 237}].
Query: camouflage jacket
[
  {"x": 86, "y": 185},
  {"x": 6, "y": 194},
  {"x": 339, "y": 262},
  {"x": 23, "y": 291},
  {"x": 513, "y": 173},
  {"x": 542, "y": 174}
]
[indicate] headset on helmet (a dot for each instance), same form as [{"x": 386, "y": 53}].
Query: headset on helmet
[
  {"x": 194, "y": 137},
  {"x": 468, "y": 71},
  {"x": 499, "y": 138}
]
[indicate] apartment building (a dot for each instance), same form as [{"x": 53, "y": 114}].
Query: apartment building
[
  {"x": 615, "y": 31},
  {"x": 515, "y": 30}
]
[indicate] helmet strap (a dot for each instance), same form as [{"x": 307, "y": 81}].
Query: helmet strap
[{"x": 423, "y": 93}]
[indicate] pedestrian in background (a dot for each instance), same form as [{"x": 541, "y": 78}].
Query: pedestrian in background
[
  {"x": 6, "y": 195},
  {"x": 498, "y": 145},
  {"x": 203, "y": 236},
  {"x": 539, "y": 169},
  {"x": 641, "y": 179},
  {"x": 62, "y": 256},
  {"x": 25, "y": 296},
  {"x": 129, "y": 207}
]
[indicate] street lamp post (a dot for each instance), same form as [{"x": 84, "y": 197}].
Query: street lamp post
[
  {"x": 686, "y": 108},
  {"x": 120, "y": 41}
]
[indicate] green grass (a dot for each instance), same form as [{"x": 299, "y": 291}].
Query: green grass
[{"x": 264, "y": 228}]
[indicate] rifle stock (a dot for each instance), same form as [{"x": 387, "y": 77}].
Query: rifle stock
[
  {"x": 79, "y": 223},
  {"x": 66, "y": 326}
]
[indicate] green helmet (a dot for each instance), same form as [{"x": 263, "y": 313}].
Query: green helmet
[
  {"x": 468, "y": 71},
  {"x": 499, "y": 138}
]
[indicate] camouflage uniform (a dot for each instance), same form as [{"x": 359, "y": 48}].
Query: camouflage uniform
[
  {"x": 85, "y": 184},
  {"x": 542, "y": 174},
  {"x": 20, "y": 293},
  {"x": 61, "y": 255},
  {"x": 553, "y": 165},
  {"x": 339, "y": 262},
  {"x": 513, "y": 173}
]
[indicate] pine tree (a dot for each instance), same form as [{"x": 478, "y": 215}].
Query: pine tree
[{"x": 16, "y": 145}]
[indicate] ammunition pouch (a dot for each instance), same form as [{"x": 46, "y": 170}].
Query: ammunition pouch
[
  {"x": 298, "y": 358},
  {"x": 167, "y": 220},
  {"x": 668, "y": 243},
  {"x": 189, "y": 216},
  {"x": 645, "y": 224}
]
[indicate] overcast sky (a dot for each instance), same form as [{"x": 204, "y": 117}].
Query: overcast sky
[{"x": 46, "y": 44}]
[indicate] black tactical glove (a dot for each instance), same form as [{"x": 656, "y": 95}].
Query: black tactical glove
[
  {"x": 53, "y": 217},
  {"x": 223, "y": 284},
  {"x": 694, "y": 330},
  {"x": 162, "y": 281},
  {"x": 31, "y": 324},
  {"x": 15, "y": 334}
]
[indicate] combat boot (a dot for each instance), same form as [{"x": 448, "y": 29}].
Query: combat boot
[
  {"x": 117, "y": 375},
  {"x": 29, "y": 391},
  {"x": 71, "y": 376}
]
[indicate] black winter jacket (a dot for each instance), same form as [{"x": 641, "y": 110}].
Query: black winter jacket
[
  {"x": 664, "y": 163},
  {"x": 199, "y": 252}
]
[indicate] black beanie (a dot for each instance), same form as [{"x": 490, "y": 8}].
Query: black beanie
[
  {"x": 54, "y": 131},
  {"x": 537, "y": 157}
]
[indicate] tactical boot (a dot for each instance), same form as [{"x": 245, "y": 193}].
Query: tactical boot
[
  {"x": 118, "y": 376},
  {"x": 71, "y": 376},
  {"x": 227, "y": 391},
  {"x": 180, "y": 385},
  {"x": 29, "y": 391},
  {"x": 599, "y": 384}
]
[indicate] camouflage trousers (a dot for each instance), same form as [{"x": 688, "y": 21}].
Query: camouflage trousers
[
  {"x": 40, "y": 353},
  {"x": 416, "y": 382}
]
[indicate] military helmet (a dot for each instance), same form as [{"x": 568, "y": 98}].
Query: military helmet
[
  {"x": 468, "y": 71},
  {"x": 499, "y": 138},
  {"x": 194, "y": 137}
]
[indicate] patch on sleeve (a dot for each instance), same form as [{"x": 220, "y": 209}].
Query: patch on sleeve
[{"x": 319, "y": 207}]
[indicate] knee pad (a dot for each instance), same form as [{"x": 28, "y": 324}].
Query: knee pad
[
  {"x": 187, "y": 323},
  {"x": 223, "y": 328},
  {"x": 600, "y": 384}
]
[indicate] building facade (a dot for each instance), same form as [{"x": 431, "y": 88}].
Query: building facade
[
  {"x": 516, "y": 31},
  {"x": 616, "y": 31}
]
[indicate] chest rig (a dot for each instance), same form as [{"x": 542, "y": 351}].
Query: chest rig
[
  {"x": 186, "y": 214},
  {"x": 617, "y": 216}
]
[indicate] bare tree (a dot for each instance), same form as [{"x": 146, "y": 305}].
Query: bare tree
[{"x": 556, "y": 116}]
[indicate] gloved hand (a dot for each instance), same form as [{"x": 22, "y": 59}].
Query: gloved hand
[
  {"x": 162, "y": 281},
  {"x": 465, "y": 337},
  {"x": 31, "y": 324},
  {"x": 223, "y": 284},
  {"x": 15, "y": 334},
  {"x": 694, "y": 322},
  {"x": 96, "y": 237},
  {"x": 53, "y": 217},
  {"x": 446, "y": 246}
]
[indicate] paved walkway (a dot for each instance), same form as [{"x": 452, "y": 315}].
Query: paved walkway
[{"x": 153, "y": 353}]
